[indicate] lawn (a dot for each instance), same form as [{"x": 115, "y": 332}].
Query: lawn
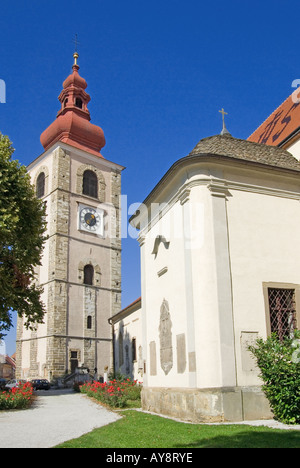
[{"x": 141, "y": 430}]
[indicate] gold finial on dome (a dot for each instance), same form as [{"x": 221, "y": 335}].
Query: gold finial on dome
[{"x": 75, "y": 55}]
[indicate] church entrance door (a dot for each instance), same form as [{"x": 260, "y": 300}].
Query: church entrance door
[{"x": 74, "y": 361}]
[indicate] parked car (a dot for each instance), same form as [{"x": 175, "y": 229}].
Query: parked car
[
  {"x": 15, "y": 383},
  {"x": 2, "y": 384},
  {"x": 40, "y": 384}
]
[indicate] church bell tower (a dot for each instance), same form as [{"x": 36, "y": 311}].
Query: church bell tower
[{"x": 81, "y": 264}]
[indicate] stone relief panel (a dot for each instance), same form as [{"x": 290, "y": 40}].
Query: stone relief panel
[{"x": 165, "y": 337}]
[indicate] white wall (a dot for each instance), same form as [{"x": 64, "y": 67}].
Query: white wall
[
  {"x": 294, "y": 149},
  {"x": 131, "y": 327},
  {"x": 248, "y": 232},
  {"x": 264, "y": 234}
]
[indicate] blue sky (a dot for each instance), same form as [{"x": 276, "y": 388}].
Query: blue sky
[{"x": 158, "y": 72}]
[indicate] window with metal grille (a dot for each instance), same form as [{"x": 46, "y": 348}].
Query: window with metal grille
[
  {"x": 282, "y": 307},
  {"x": 40, "y": 185},
  {"x": 90, "y": 184}
]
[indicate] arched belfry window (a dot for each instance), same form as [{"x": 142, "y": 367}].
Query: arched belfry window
[
  {"x": 90, "y": 181},
  {"x": 88, "y": 274},
  {"x": 40, "y": 185},
  {"x": 78, "y": 103},
  {"x": 90, "y": 184}
]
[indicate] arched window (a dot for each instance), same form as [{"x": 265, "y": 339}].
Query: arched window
[
  {"x": 89, "y": 322},
  {"x": 133, "y": 347},
  {"x": 40, "y": 185},
  {"x": 121, "y": 354},
  {"x": 90, "y": 184},
  {"x": 78, "y": 103},
  {"x": 88, "y": 274}
]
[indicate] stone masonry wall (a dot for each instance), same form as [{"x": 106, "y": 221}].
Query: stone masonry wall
[
  {"x": 116, "y": 241},
  {"x": 59, "y": 288},
  {"x": 58, "y": 225}
]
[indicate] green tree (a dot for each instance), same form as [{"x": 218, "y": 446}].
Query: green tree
[{"x": 22, "y": 235}]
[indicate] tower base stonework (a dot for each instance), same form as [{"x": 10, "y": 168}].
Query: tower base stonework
[{"x": 56, "y": 357}]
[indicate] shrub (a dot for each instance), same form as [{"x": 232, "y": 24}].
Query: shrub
[
  {"x": 17, "y": 398},
  {"x": 115, "y": 394},
  {"x": 279, "y": 364}
]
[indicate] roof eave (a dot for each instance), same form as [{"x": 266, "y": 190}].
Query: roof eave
[{"x": 209, "y": 157}]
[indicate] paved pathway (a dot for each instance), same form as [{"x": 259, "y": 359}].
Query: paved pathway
[
  {"x": 56, "y": 416},
  {"x": 60, "y": 415}
]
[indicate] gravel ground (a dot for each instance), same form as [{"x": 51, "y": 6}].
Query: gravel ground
[
  {"x": 270, "y": 423},
  {"x": 56, "y": 416}
]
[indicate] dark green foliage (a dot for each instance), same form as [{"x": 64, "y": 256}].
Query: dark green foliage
[
  {"x": 22, "y": 235},
  {"x": 279, "y": 366}
]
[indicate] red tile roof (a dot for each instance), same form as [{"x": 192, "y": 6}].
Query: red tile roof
[
  {"x": 11, "y": 362},
  {"x": 281, "y": 124},
  {"x": 139, "y": 299}
]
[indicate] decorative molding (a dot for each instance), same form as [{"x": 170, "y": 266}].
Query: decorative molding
[
  {"x": 219, "y": 189},
  {"x": 55, "y": 335},
  {"x": 159, "y": 240},
  {"x": 141, "y": 240},
  {"x": 184, "y": 196},
  {"x": 78, "y": 152},
  {"x": 162, "y": 271}
]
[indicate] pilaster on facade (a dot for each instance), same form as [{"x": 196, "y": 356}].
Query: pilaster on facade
[{"x": 224, "y": 292}]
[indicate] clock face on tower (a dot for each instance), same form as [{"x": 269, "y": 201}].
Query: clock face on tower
[{"x": 90, "y": 219}]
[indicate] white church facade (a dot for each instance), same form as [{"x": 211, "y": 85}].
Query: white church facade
[{"x": 219, "y": 243}]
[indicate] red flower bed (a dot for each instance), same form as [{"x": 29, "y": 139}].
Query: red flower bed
[
  {"x": 17, "y": 398},
  {"x": 113, "y": 393}
]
